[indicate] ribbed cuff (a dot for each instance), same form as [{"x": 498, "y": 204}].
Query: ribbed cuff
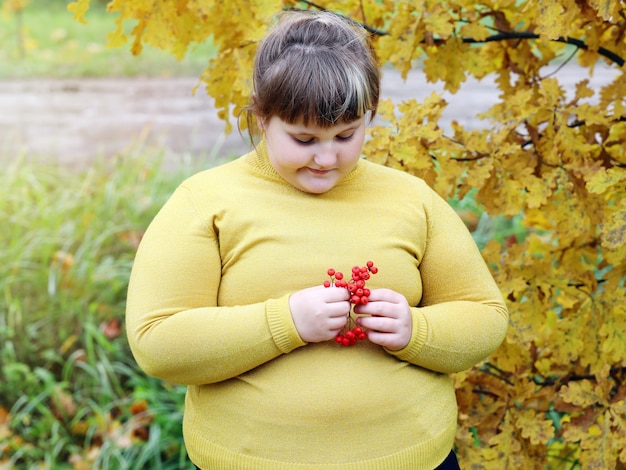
[
  {"x": 281, "y": 325},
  {"x": 419, "y": 335}
]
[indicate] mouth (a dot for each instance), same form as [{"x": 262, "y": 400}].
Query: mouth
[{"x": 318, "y": 172}]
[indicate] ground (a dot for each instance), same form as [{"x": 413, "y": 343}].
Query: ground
[{"x": 78, "y": 120}]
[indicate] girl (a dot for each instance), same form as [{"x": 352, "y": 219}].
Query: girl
[{"x": 227, "y": 296}]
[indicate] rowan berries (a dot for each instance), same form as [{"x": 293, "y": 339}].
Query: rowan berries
[{"x": 359, "y": 295}]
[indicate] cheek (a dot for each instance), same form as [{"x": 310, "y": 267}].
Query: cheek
[
  {"x": 285, "y": 153},
  {"x": 355, "y": 148}
]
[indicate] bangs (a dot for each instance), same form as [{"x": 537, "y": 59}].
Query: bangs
[{"x": 316, "y": 86}]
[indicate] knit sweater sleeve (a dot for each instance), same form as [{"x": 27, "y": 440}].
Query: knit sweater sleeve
[
  {"x": 462, "y": 317},
  {"x": 175, "y": 328}
]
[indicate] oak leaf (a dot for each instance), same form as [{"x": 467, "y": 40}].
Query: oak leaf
[
  {"x": 536, "y": 428},
  {"x": 582, "y": 393}
]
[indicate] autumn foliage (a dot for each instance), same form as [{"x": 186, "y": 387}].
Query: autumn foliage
[{"x": 554, "y": 394}]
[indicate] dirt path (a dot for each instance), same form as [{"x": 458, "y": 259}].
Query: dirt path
[{"x": 76, "y": 121}]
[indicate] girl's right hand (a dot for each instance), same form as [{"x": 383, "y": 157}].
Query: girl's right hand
[{"x": 319, "y": 313}]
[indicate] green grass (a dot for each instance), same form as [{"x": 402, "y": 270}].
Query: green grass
[
  {"x": 44, "y": 41},
  {"x": 69, "y": 388}
]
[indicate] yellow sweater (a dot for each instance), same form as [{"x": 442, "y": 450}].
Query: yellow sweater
[{"x": 208, "y": 307}]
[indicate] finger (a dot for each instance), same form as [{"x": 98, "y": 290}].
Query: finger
[
  {"x": 336, "y": 324},
  {"x": 335, "y": 294},
  {"x": 338, "y": 309},
  {"x": 380, "y": 309},
  {"x": 374, "y": 308},
  {"x": 378, "y": 324},
  {"x": 385, "y": 295},
  {"x": 388, "y": 340}
]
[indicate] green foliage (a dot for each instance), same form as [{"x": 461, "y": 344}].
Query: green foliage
[{"x": 71, "y": 395}]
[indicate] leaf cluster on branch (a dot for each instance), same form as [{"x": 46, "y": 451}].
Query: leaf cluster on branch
[{"x": 555, "y": 391}]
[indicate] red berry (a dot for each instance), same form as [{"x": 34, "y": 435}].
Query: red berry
[
  {"x": 331, "y": 272},
  {"x": 326, "y": 283},
  {"x": 338, "y": 276},
  {"x": 370, "y": 264},
  {"x": 358, "y": 330},
  {"x": 363, "y": 300},
  {"x": 373, "y": 269},
  {"x": 355, "y": 299},
  {"x": 362, "y": 336},
  {"x": 366, "y": 292},
  {"x": 345, "y": 342}
]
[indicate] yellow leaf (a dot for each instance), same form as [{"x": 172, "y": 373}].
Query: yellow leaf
[
  {"x": 615, "y": 143},
  {"x": 613, "y": 231},
  {"x": 598, "y": 442},
  {"x": 79, "y": 8},
  {"x": 552, "y": 93},
  {"x": 538, "y": 192},
  {"x": 504, "y": 447},
  {"x": 549, "y": 20},
  {"x": 117, "y": 38},
  {"x": 604, "y": 179},
  {"x": 606, "y": 8},
  {"x": 534, "y": 427},
  {"x": 536, "y": 218},
  {"x": 580, "y": 393},
  {"x": 438, "y": 19},
  {"x": 446, "y": 62},
  {"x": 475, "y": 31},
  {"x": 583, "y": 90}
]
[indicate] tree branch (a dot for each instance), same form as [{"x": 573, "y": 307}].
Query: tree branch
[
  {"x": 500, "y": 36},
  {"x": 505, "y": 36}
]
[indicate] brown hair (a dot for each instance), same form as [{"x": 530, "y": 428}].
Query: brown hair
[{"x": 316, "y": 68}]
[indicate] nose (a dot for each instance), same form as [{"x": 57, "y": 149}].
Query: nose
[{"x": 326, "y": 156}]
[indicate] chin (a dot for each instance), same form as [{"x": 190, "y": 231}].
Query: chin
[{"x": 317, "y": 187}]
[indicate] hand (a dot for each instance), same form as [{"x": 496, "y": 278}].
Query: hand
[
  {"x": 319, "y": 313},
  {"x": 389, "y": 319}
]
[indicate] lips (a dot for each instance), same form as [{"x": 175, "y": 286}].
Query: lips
[{"x": 318, "y": 172}]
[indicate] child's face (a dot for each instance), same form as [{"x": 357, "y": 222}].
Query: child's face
[{"x": 310, "y": 158}]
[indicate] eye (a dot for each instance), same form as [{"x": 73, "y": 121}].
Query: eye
[
  {"x": 302, "y": 141},
  {"x": 345, "y": 138}
]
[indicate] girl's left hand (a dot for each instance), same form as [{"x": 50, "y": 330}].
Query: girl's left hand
[{"x": 388, "y": 319}]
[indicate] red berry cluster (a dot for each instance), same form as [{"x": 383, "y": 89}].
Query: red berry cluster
[{"x": 359, "y": 295}]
